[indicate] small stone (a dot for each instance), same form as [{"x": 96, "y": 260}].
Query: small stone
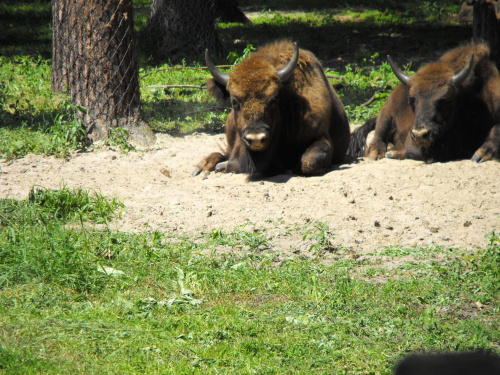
[{"x": 165, "y": 172}]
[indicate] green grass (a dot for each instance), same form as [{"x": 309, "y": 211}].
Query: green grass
[
  {"x": 32, "y": 118},
  {"x": 179, "y": 110},
  {"x": 26, "y": 28},
  {"x": 78, "y": 297},
  {"x": 74, "y": 298}
]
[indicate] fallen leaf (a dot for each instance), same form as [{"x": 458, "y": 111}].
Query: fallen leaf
[{"x": 109, "y": 270}]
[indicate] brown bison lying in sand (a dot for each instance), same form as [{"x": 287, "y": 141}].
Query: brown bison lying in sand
[
  {"x": 447, "y": 110},
  {"x": 285, "y": 115}
]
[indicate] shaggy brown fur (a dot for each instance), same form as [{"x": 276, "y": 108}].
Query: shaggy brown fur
[
  {"x": 274, "y": 126},
  {"x": 432, "y": 119}
]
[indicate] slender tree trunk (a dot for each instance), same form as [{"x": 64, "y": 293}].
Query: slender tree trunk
[
  {"x": 182, "y": 28},
  {"x": 228, "y": 11},
  {"x": 95, "y": 61},
  {"x": 59, "y": 35},
  {"x": 486, "y": 27}
]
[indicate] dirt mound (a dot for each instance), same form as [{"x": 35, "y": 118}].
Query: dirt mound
[{"x": 367, "y": 205}]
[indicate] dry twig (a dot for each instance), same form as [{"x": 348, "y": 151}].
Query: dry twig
[
  {"x": 185, "y": 67},
  {"x": 371, "y": 100},
  {"x": 176, "y": 86}
]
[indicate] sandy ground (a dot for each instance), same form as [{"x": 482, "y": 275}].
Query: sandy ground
[{"x": 367, "y": 205}]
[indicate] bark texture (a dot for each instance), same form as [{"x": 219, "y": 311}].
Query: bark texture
[
  {"x": 182, "y": 28},
  {"x": 486, "y": 27},
  {"x": 95, "y": 62}
]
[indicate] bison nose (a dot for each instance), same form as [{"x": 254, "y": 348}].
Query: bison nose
[
  {"x": 256, "y": 141},
  {"x": 421, "y": 136}
]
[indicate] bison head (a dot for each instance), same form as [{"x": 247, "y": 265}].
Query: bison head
[
  {"x": 254, "y": 85},
  {"x": 432, "y": 96}
]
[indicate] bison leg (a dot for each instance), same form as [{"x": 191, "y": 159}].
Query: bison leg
[
  {"x": 378, "y": 146},
  {"x": 376, "y": 150},
  {"x": 387, "y": 133},
  {"x": 490, "y": 148},
  {"x": 405, "y": 150},
  {"x": 209, "y": 163},
  {"x": 395, "y": 154},
  {"x": 317, "y": 159}
]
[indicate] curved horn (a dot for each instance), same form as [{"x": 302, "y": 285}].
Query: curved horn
[
  {"x": 220, "y": 77},
  {"x": 398, "y": 72},
  {"x": 461, "y": 76},
  {"x": 287, "y": 71}
]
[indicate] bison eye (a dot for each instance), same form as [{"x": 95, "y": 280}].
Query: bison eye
[
  {"x": 235, "y": 104},
  {"x": 443, "y": 104}
]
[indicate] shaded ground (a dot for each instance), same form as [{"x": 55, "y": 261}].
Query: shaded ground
[{"x": 367, "y": 205}]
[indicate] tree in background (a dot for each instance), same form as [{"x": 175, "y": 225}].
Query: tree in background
[
  {"x": 228, "y": 11},
  {"x": 486, "y": 27},
  {"x": 182, "y": 28},
  {"x": 95, "y": 62}
]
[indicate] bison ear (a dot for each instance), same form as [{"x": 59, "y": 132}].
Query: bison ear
[{"x": 217, "y": 90}]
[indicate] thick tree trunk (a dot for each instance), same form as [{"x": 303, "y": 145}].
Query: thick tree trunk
[
  {"x": 182, "y": 28},
  {"x": 95, "y": 58},
  {"x": 486, "y": 27}
]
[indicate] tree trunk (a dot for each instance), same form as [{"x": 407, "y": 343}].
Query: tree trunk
[
  {"x": 228, "y": 11},
  {"x": 95, "y": 58},
  {"x": 182, "y": 29},
  {"x": 59, "y": 35},
  {"x": 486, "y": 27}
]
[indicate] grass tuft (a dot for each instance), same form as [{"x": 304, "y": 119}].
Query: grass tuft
[{"x": 164, "y": 303}]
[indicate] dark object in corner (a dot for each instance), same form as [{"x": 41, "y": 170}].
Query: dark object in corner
[{"x": 460, "y": 363}]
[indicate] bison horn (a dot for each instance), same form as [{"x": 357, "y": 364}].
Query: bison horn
[
  {"x": 220, "y": 77},
  {"x": 287, "y": 71},
  {"x": 398, "y": 72},
  {"x": 461, "y": 76}
]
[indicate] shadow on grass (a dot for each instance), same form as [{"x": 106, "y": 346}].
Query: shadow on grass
[
  {"x": 173, "y": 116},
  {"x": 25, "y": 118},
  {"x": 26, "y": 28},
  {"x": 318, "y": 4},
  {"x": 342, "y": 43}
]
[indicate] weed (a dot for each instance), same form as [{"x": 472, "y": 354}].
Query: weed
[
  {"x": 118, "y": 137},
  {"x": 240, "y": 238},
  {"x": 320, "y": 236},
  {"x": 235, "y": 59},
  {"x": 79, "y": 204}
]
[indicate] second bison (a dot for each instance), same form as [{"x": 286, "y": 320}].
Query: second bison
[
  {"x": 285, "y": 115},
  {"x": 447, "y": 110}
]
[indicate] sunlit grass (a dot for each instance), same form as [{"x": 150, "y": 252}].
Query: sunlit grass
[{"x": 78, "y": 299}]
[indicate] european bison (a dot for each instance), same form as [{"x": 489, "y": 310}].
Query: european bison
[
  {"x": 447, "y": 110},
  {"x": 285, "y": 115}
]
